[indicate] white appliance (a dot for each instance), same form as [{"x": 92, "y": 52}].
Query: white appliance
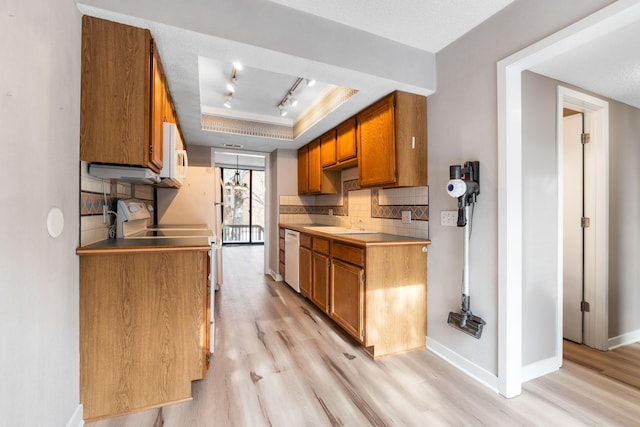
[
  {"x": 196, "y": 202},
  {"x": 174, "y": 157},
  {"x": 292, "y": 258},
  {"x": 136, "y": 175}
]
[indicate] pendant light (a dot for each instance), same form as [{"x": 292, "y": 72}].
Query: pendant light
[{"x": 235, "y": 183}]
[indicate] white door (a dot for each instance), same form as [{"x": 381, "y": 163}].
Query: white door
[{"x": 573, "y": 188}]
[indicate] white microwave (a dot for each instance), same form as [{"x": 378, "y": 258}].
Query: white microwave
[{"x": 174, "y": 158}]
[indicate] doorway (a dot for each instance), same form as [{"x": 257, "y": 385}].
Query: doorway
[
  {"x": 583, "y": 218},
  {"x": 244, "y": 206}
]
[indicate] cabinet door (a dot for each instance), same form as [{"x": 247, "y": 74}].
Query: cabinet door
[
  {"x": 158, "y": 97},
  {"x": 303, "y": 170},
  {"x": 315, "y": 170},
  {"x": 376, "y": 144},
  {"x": 347, "y": 297},
  {"x": 115, "y": 97},
  {"x": 328, "y": 149},
  {"x": 320, "y": 288},
  {"x": 305, "y": 271},
  {"x": 346, "y": 140}
]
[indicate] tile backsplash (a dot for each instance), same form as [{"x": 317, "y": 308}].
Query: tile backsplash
[
  {"x": 94, "y": 192},
  {"x": 375, "y": 209}
]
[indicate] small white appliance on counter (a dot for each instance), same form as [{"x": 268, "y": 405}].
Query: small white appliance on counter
[{"x": 175, "y": 161}]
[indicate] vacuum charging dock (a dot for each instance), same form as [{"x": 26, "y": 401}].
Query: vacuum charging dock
[{"x": 464, "y": 184}]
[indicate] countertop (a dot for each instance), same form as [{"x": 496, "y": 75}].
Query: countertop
[
  {"x": 145, "y": 245},
  {"x": 360, "y": 239}
]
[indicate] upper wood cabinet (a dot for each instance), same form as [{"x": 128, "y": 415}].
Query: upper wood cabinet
[
  {"x": 122, "y": 95},
  {"x": 328, "y": 149},
  {"x": 392, "y": 142},
  {"x": 303, "y": 170},
  {"x": 310, "y": 172},
  {"x": 346, "y": 142}
]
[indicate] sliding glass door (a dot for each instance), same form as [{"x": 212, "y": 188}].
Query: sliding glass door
[{"x": 244, "y": 194}]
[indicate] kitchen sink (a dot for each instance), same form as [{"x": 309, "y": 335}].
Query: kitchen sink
[{"x": 338, "y": 230}]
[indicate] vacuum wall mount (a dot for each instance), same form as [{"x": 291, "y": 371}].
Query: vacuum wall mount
[{"x": 464, "y": 184}]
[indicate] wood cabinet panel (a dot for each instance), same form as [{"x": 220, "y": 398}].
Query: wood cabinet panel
[
  {"x": 321, "y": 245},
  {"x": 305, "y": 240},
  {"x": 143, "y": 329},
  {"x": 346, "y": 141},
  {"x": 158, "y": 99},
  {"x": 347, "y": 297},
  {"x": 116, "y": 94},
  {"x": 305, "y": 267},
  {"x": 376, "y": 147},
  {"x": 392, "y": 142},
  {"x": 303, "y": 170},
  {"x": 320, "y": 288},
  {"x": 328, "y": 149},
  {"x": 352, "y": 254},
  {"x": 315, "y": 171}
]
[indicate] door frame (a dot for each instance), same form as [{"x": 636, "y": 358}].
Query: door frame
[
  {"x": 596, "y": 193},
  {"x": 509, "y": 70}
]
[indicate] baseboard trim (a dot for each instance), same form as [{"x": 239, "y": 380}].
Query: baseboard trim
[
  {"x": 476, "y": 372},
  {"x": 538, "y": 369},
  {"x": 275, "y": 276},
  {"x": 624, "y": 339},
  {"x": 76, "y": 419}
]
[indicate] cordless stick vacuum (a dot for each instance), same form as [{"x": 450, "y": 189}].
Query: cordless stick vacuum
[{"x": 464, "y": 183}]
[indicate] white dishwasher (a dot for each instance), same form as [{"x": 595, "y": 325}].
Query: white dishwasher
[{"x": 292, "y": 258}]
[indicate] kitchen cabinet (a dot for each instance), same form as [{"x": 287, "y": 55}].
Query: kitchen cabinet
[
  {"x": 346, "y": 155},
  {"x": 347, "y": 297},
  {"x": 144, "y": 328},
  {"x": 303, "y": 170},
  {"x": 320, "y": 274},
  {"x": 123, "y": 95},
  {"x": 281, "y": 264},
  {"x": 306, "y": 278},
  {"x": 392, "y": 142},
  {"x": 374, "y": 288},
  {"x": 311, "y": 174},
  {"x": 328, "y": 149}
]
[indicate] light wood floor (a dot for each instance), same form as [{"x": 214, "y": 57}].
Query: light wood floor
[{"x": 279, "y": 362}]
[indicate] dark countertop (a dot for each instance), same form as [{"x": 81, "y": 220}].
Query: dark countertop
[
  {"x": 145, "y": 245},
  {"x": 360, "y": 239}
]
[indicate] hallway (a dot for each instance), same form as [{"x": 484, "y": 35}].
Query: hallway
[{"x": 280, "y": 362}]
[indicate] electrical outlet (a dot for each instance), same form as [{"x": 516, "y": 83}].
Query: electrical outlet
[
  {"x": 449, "y": 218},
  {"x": 406, "y": 217}
]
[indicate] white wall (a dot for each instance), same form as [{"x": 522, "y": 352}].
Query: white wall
[
  {"x": 40, "y": 110},
  {"x": 462, "y": 125}
]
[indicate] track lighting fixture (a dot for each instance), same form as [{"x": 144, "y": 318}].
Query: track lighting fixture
[
  {"x": 231, "y": 85},
  {"x": 289, "y": 98},
  {"x": 311, "y": 82},
  {"x": 283, "y": 111},
  {"x": 227, "y": 102},
  {"x": 293, "y": 101}
]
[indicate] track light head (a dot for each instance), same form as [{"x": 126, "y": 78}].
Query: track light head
[
  {"x": 227, "y": 102},
  {"x": 293, "y": 101},
  {"x": 283, "y": 112},
  {"x": 231, "y": 86},
  {"x": 311, "y": 82}
]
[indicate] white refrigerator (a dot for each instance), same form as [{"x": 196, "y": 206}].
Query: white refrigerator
[{"x": 197, "y": 202}]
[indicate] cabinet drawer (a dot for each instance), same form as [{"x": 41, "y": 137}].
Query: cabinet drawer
[
  {"x": 348, "y": 253},
  {"x": 305, "y": 240},
  {"x": 321, "y": 245}
]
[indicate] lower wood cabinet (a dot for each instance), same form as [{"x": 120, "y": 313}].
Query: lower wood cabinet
[
  {"x": 306, "y": 278},
  {"x": 347, "y": 297},
  {"x": 320, "y": 289},
  {"x": 144, "y": 329},
  {"x": 377, "y": 293}
]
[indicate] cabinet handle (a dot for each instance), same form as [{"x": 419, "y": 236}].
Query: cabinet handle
[{"x": 424, "y": 249}]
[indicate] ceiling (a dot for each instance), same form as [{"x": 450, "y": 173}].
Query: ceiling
[
  {"x": 357, "y": 51},
  {"x": 361, "y": 50}
]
